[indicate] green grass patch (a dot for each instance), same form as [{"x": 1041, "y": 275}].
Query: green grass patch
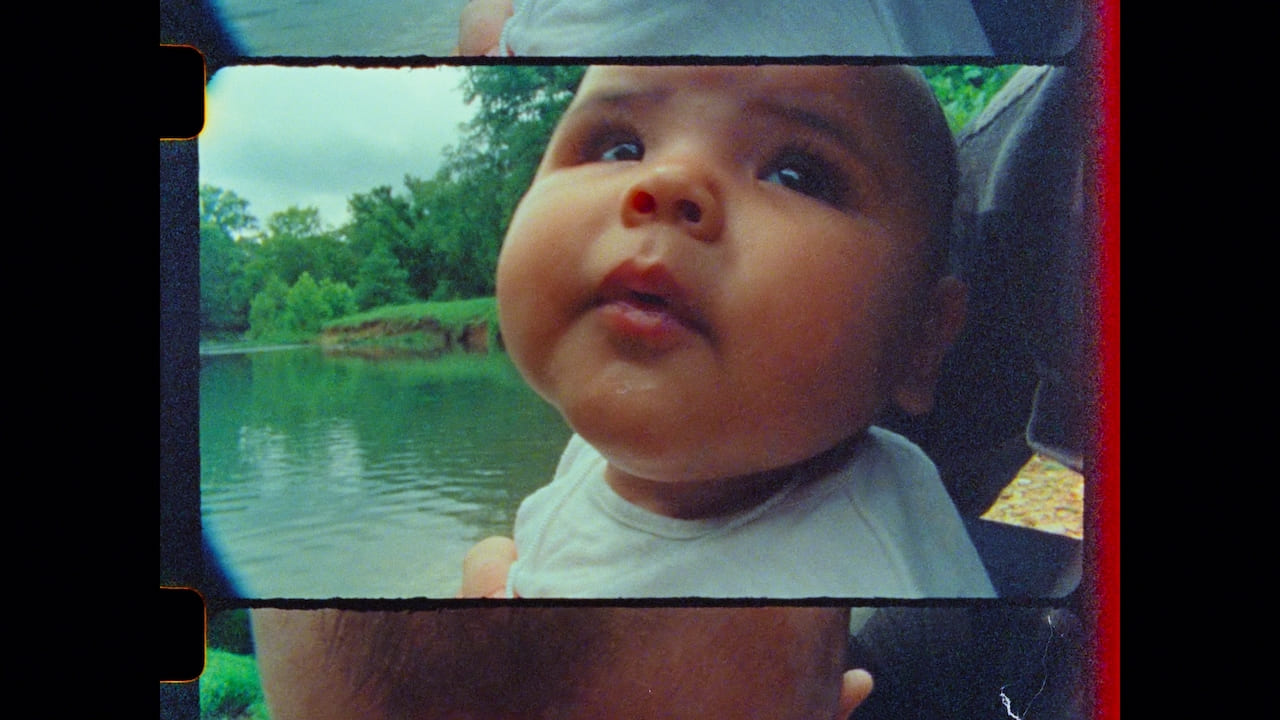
[
  {"x": 403, "y": 327},
  {"x": 230, "y": 689},
  {"x": 452, "y": 314},
  {"x": 423, "y": 328}
]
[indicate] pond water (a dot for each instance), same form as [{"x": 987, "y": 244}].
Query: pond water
[
  {"x": 366, "y": 28},
  {"x": 325, "y": 476}
]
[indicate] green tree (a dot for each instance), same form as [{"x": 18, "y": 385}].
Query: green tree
[
  {"x": 518, "y": 109},
  {"x": 443, "y": 233},
  {"x": 333, "y": 258},
  {"x": 288, "y": 243},
  {"x": 464, "y": 228},
  {"x": 381, "y": 281},
  {"x": 378, "y": 217},
  {"x": 470, "y": 201},
  {"x": 395, "y": 223},
  {"x": 225, "y": 225},
  {"x": 224, "y": 294},
  {"x": 267, "y": 312},
  {"x": 305, "y": 306},
  {"x": 296, "y": 241},
  {"x": 226, "y": 210},
  {"x": 339, "y": 296}
]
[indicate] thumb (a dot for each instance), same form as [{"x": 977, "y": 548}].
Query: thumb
[
  {"x": 855, "y": 686},
  {"x": 485, "y": 566}
]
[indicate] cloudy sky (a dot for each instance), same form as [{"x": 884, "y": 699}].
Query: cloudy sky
[{"x": 313, "y": 136}]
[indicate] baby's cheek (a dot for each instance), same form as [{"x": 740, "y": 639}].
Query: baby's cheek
[{"x": 518, "y": 314}]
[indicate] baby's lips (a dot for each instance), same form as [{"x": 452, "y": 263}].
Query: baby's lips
[{"x": 653, "y": 288}]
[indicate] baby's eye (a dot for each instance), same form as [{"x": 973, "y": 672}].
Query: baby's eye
[
  {"x": 609, "y": 142},
  {"x": 620, "y": 151},
  {"x": 808, "y": 175}
]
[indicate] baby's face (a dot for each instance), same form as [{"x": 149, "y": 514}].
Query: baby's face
[{"x": 714, "y": 269}]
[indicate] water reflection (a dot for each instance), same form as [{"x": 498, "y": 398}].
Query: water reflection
[
  {"x": 326, "y": 476},
  {"x": 366, "y": 28}
]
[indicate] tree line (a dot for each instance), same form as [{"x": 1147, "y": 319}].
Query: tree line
[{"x": 433, "y": 239}]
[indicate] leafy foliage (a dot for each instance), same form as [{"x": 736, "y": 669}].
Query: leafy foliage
[
  {"x": 518, "y": 109},
  {"x": 267, "y": 311},
  {"x": 240, "y": 268},
  {"x": 964, "y": 90},
  {"x": 229, "y": 630},
  {"x": 229, "y": 688},
  {"x": 305, "y": 306},
  {"x": 296, "y": 242},
  {"x": 339, "y": 297},
  {"x": 381, "y": 280},
  {"x": 224, "y": 291},
  {"x": 287, "y": 313},
  {"x": 472, "y": 197},
  {"x": 436, "y": 239},
  {"x": 226, "y": 211}
]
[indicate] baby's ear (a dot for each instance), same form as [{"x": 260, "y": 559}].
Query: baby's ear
[{"x": 943, "y": 318}]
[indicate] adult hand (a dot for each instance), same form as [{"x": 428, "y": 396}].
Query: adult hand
[{"x": 485, "y": 566}]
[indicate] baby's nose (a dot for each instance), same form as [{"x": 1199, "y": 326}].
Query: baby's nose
[
  {"x": 688, "y": 210},
  {"x": 678, "y": 196}
]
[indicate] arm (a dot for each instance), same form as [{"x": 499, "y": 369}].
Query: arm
[{"x": 480, "y": 26}]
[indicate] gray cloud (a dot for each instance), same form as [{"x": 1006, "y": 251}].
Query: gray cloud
[{"x": 281, "y": 136}]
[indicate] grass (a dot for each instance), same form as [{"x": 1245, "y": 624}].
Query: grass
[
  {"x": 420, "y": 327},
  {"x": 452, "y": 314},
  {"x": 229, "y": 688}
]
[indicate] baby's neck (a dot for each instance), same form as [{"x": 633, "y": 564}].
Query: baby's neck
[{"x": 696, "y": 499}]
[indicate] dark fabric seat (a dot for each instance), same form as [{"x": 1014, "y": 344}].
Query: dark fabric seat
[
  {"x": 1020, "y": 379},
  {"x": 1020, "y": 376}
]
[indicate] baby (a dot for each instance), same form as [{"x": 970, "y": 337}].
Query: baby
[
  {"x": 720, "y": 276},
  {"x": 609, "y": 28}
]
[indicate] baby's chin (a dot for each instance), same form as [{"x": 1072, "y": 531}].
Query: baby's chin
[
  {"x": 670, "y": 441},
  {"x": 674, "y": 458}
]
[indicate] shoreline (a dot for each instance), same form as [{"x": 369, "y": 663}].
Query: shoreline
[{"x": 234, "y": 349}]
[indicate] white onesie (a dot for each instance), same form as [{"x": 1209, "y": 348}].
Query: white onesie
[
  {"x": 606, "y": 28},
  {"x": 881, "y": 526}
]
